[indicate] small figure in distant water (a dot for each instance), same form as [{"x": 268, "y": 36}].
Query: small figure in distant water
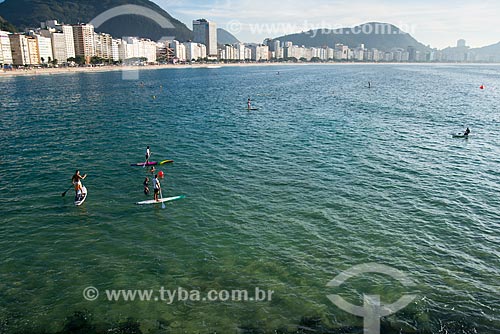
[
  {"x": 467, "y": 132},
  {"x": 152, "y": 170},
  {"x": 146, "y": 186},
  {"x": 249, "y": 104},
  {"x": 157, "y": 188},
  {"x": 369, "y": 84}
]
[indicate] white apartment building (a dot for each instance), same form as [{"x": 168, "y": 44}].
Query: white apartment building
[
  {"x": 59, "y": 47},
  {"x": 195, "y": 51},
  {"x": 103, "y": 46},
  {"x": 179, "y": 50},
  {"x": 68, "y": 33},
  {"x": 229, "y": 52},
  {"x": 342, "y": 52},
  {"x": 61, "y": 37},
  {"x": 44, "y": 45},
  {"x": 248, "y": 54},
  {"x": 139, "y": 48},
  {"x": 117, "y": 50},
  {"x": 5, "y": 50},
  {"x": 240, "y": 51},
  {"x": 260, "y": 52}
]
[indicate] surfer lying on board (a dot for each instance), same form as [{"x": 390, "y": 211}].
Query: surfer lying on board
[
  {"x": 77, "y": 182},
  {"x": 157, "y": 185},
  {"x": 146, "y": 186}
]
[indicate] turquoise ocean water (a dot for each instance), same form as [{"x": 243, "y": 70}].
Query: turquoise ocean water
[{"x": 328, "y": 174}]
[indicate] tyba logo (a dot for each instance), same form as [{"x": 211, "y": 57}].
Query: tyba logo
[{"x": 372, "y": 310}]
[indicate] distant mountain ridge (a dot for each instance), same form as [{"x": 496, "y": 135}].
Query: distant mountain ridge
[
  {"x": 29, "y": 13},
  {"x": 382, "y": 36},
  {"x": 490, "y": 53}
]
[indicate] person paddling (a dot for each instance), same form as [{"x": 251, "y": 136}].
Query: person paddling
[
  {"x": 157, "y": 187},
  {"x": 77, "y": 182},
  {"x": 148, "y": 155},
  {"x": 249, "y": 104},
  {"x": 146, "y": 186}
]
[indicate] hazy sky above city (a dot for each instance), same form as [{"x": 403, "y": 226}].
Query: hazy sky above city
[{"x": 439, "y": 23}]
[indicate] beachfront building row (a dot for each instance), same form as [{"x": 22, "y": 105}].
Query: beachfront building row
[
  {"x": 235, "y": 52},
  {"x": 461, "y": 53},
  {"x": 191, "y": 51},
  {"x": 188, "y": 52},
  {"x": 57, "y": 43},
  {"x": 283, "y": 51}
]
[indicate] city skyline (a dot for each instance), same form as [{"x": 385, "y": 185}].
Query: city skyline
[{"x": 438, "y": 23}]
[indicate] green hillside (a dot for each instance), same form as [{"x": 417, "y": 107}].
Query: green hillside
[
  {"x": 6, "y": 26},
  {"x": 29, "y": 13}
]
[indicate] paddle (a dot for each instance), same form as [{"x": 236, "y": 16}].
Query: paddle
[
  {"x": 64, "y": 193},
  {"x": 163, "y": 206},
  {"x": 147, "y": 160}
]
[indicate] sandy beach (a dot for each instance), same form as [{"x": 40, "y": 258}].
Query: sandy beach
[
  {"x": 100, "y": 69},
  {"x": 70, "y": 70}
]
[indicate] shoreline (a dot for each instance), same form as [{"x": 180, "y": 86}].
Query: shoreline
[{"x": 102, "y": 69}]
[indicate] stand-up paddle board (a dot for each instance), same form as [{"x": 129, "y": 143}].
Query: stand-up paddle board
[
  {"x": 141, "y": 164},
  {"x": 253, "y": 109},
  {"x": 163, "y": 200},
  {"x": 460, "y": 135},
  {"x": 166, "y": 162},
  {"x": 81, "y": 197}
]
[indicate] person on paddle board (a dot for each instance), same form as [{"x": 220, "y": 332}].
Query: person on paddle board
[
  {"x": 146, "y": 186},
  {"x": 157, "y": 187},
  {"x": 249, "y": 104},
  {"x": 77, "y": 182},
  {"x": 467, "y": 132},
  {"x": 148, "y": 154}
]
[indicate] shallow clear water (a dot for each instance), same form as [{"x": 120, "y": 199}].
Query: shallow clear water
[{"x": 326, "y": 175}]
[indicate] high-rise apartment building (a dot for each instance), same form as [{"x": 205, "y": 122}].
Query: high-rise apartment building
[
  {"x": 24, "y": 50},
  {"x": 5, "y": 50},
  {"x": 83, "y": 35},
  {"x": 205, "y": 32}
]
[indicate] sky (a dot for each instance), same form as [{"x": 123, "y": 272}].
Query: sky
[{"x": 438, "y": 23}]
